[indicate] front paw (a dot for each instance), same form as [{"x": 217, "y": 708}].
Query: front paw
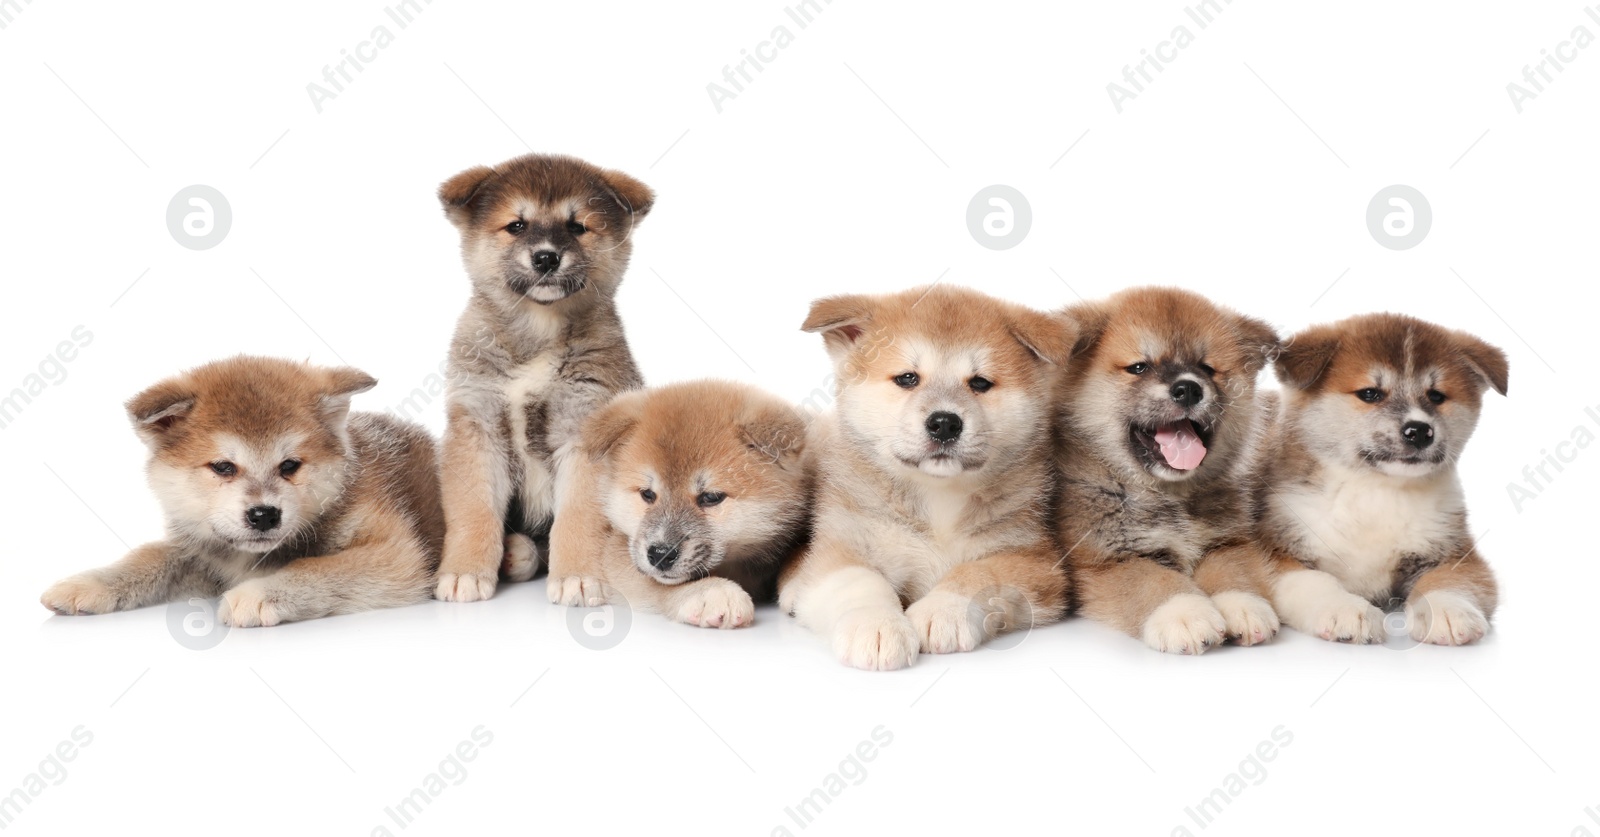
[
  {"x": 946, "y": 622},
  {"x": 79, "y": 595},
  {"x": 875, "y": 640},
  {"x": 464, "y": 587},
  {"x": 522, "y": 559},
  {"x": 1442, "y": 617},
  {"x": 1250, "y": 619},
  {"x": 717, "y": 603},
  {"x": 577, "y": 591},
  {"x": 1348, "y": 619},
  {"x": 250, "y": 605},
  {"x": 1187, "y": 623}
]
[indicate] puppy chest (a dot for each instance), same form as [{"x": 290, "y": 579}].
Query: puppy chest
[{"x": 1357, "y": 528}]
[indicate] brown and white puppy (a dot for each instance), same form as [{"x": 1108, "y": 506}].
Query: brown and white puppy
[
  {"x": 934, "y": 482},
  {"x": 540, "y": 346},
  {"x": 1159, "y": 430},
  {"x": 683, "y": 499},
  {"x": 276, "y": 498},
  {"x": 1364, "y": 506}
]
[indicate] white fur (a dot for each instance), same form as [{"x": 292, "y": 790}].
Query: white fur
[
  {"x": 1187, "y": 623},
  {"x": 1250, "y": 618},
  {"x": 716, "y": 603},
  {"x": 1444, "y": 617},
  {"x": 1314, "y": 602}
]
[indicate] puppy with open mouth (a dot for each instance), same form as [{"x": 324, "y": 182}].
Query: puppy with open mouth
[
  {"x": 934, "y": 483},
  {"x": 1160, "y": 427},
  {"x": 1364, "y": 506}
]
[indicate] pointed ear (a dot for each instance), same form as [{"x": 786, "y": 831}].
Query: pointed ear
[
  {"x": 609, "y": 425},
  {"x": 159, "y": 412},
  {"x": 1049, "y": 336},
  {"x": 1090, "y": 320},
  {"x": 1259, "y": 340},
  {"x": 456, "y": 194},
  {"x": 340, "y": 384},
  {"x": 1488, "y": 361},
  {"x": 841, "y": 320},
  {"x": 631, "y": 195},
  {"x": 1306, "y": 357},
  {"x": 776, "y": 435}
]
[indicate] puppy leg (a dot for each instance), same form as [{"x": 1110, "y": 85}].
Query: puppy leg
[
  {"x": 835, "y": 593},
  {"x": 1162, "y": 606},
  {"x": 710, "y": 602},
  {"x": 151, "y": 574},
  {"x": 582, "y": 541},
  {"x": 367, "y": 576},
  {"x": 476, "y": 481},
  {"x": 1236, "y": 580},
  {"x": 985, "y": 598},
  {"x": 1314, "y": 602},
  {"x": 1451, "y": 603}
]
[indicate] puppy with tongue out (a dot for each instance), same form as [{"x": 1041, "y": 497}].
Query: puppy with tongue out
[{"x": 1159, "y": 423}]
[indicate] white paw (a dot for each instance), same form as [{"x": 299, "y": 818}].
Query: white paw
[
  {"x": 1348, "y": 619},
  {"x": 522, "y": 559},
  {"x": 1187, "y": 623},
  {"x": 248, "y": 606},
  {"x": 577, "y": 591},
  {"x": 1250, "y": 619},
  {"x": 1442, "y": 617},
  {"x": 80, "y": 594},
  {"x": 946, "y": 622},
  {"x": 875, "y": 640},
  {"x": 717, "y": 603},
  {"x": 464, "y": 587}
]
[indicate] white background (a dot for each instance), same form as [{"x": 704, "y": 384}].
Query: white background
[{"x": 847, "y": 165}]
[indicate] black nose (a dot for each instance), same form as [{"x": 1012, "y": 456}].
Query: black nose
[
  {"x": 1418, "y": 434},
  {"x": 661, "y": 556},
  {"x": 263, "y": 518},
  {"x": 1187, "y": 393},
  {"x": 943, "y": 427},
  {"x": 545, "y": 261}
]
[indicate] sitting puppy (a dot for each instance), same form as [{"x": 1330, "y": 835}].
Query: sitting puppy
[
  {"x": 1159, "y": 430},
  {"x": 540, "y": 346},
  {"x": 683, "y": 499},
  {"x": 1364, "y": 503},
  {"x": 934, "y": 480},
  {"x": 276, "y": 498}
]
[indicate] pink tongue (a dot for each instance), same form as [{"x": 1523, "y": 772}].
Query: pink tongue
[{"x": 1180, "y": 446}]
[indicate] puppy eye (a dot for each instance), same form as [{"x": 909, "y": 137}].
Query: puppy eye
[
  {"x": 576, "y": 228},
  {"x": 1138, "y": 368},
  {"x": 288, "y": 467},
  {"x": 516, "y": 227},
  {"x": 980, "y": 384},
  {"x": 224, "y": 469},
  {"x": 907, "y": 380},
  {"x": 1208, "y": 369},
  {"x": 647, "y": 495},
  {"x": 1371, "y": 395},
  {"x": 1435, "y": 396},
  {"x": 707, "y": 499}
]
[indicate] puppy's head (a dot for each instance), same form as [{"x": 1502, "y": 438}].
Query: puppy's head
[
  {"x": 543, "y": 227},
  {"x": 248, "y": 451},
  {"x": 696, "y": 470},
  {"x": 1388, "y": 391},
  {"x": 941, "y": 380},
  {"x": 1160, "y": 376}
]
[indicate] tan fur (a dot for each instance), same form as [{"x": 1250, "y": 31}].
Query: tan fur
[
  {"x": 361, "y": 526},
  {"x": 683, "y": 443},
  {"x": 958, "y": 531}
]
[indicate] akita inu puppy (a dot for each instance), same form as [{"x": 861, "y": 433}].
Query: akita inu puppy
[
  {"x": 684, "y": 499},
  {"x": 1160, "y": 430},
  {"x": 540, "y": 346},
  {"x": 934, "y": 483},
  {"x": 1364, "y": 503},
  {"x": 276, "y": 498}
]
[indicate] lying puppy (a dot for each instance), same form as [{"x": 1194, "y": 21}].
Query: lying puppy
[
  {"x": 683, "y": 499},
  {"x": 934, "y": 480},
  {"x": 546, "y": 240},
  {"x": 1364, "y": 501},
  {"x": 276, "y": 498},
  {"x": 1159, "y": 434}
]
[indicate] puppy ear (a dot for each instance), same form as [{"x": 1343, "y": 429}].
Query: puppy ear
[
  {"x": 1090, "y": 320},
  {"x": 1305, "y": 358},
  {"x": 1488, "y": 361},
  {"x": 1259, "y": 340},
  {"x": 840, "y": 319},
  {"x": 340, "y": 384},
  {"x": 608, "y": 426},
  {"x": 456, "y": 194},
  {"x": 159, "y": 412},
  {"x": 631, "y": 195},
  {"x": 776, "y": 435},
  {"x": 1049, "y": 336}
]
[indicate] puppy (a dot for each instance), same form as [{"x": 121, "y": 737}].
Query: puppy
[
  {"x": 1159, "y": 434},
  {"x": 540, "y": 346},
  {"x": 934, "y": 481},
  {"x": 1364, "y": 501},
  {"x": 683, "y": 499},
  {"x": 275, "y": 497}
]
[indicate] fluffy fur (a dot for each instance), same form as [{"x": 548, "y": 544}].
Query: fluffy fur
[{"x": 346, "y": 507}]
